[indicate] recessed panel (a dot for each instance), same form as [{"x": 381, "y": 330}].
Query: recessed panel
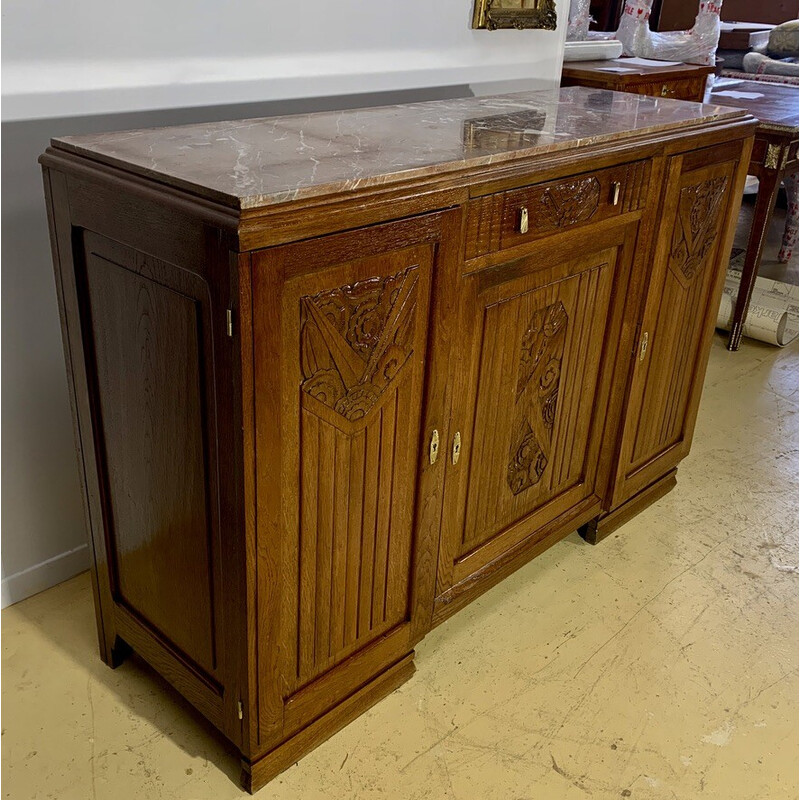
[{"x": 146, "y": 341}]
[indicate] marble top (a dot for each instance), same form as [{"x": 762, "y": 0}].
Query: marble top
[
  {"x": 773, "y": 104},
  {"x": 262, "y": 162}
]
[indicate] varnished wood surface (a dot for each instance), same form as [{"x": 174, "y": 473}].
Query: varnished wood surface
[
  {"x": 296, "y": 362},
  {"x": 577, "y": 69},
  {"x": 679, "y": 81},
  {"x": 529, "y": 394},
  {"x": 354, "y": 308},
  {"x": 679, "y": 311},
  {"x": 604, "y": 525},
  {"x": 153, "y": 416},
  {"x": 256, "y": 774}
]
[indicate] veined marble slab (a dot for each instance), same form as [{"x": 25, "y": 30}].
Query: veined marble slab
[{"x": 262, "y": 162}]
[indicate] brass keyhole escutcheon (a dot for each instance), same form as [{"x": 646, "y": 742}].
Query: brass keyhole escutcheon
[
  {"x": 433, "y": 453},
  {"x": 643, "y": 348},
  {"x": 456, "y": 447}
]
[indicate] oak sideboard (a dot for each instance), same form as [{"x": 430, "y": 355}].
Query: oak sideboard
[{"x": 335, "y": 375}]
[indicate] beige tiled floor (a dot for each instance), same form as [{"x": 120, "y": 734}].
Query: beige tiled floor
[{"x": 660, "y": 664}]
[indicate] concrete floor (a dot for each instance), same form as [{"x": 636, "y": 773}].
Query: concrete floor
[
  {"x": 770, "y": 267},
  {"x": 660, "y": 664}
]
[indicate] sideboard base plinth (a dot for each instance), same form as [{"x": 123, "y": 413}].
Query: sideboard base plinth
[
  {"x": 597, "y": 530},
  {"x": 258, "y": 773}
]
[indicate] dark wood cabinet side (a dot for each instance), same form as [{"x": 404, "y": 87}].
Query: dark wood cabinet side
[{"x": 151, "y": 375}]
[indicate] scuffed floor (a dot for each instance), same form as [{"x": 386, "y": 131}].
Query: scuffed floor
[{"x": 660, "y": 664}]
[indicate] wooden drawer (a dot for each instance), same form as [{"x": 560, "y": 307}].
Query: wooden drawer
[
  {"x": 685, "y": 89},
  {"x": 494, "y": 222}
]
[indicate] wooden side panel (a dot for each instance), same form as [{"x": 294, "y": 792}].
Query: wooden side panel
[
  {"x": 679, "y": 313},
  {"x": 340, "y": 342},
  {"x": 149, "y": 342},
  {"x": 158, "y": 489}
]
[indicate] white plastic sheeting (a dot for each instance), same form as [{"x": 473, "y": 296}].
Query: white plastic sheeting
[
  {"x": 695, "y": 46},
  {"x": 579, "y": 19}
]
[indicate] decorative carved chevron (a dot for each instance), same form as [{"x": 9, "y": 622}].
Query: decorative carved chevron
[
  {"x": 696, "y": 229},
  {"x": 539, "y": 376},
  {"x": 567, "y": 203},
  {"x": 355, "y": 339}
]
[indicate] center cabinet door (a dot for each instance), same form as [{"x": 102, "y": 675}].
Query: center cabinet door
[
  {"x": 345, "y": 559},
  {"x": 538, "y": 338}
]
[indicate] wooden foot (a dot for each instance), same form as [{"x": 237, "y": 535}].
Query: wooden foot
[
  {"x": 597, "y": 530},
  {"x": 118, "y": 653},
  {"x": 258, "y": 773}
]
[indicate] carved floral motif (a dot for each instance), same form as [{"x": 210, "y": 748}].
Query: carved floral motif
[
  {"x": 355, "y": 339},
  {"x": 539, "y": 377},
  {"x": 699, "y": 208},
  {"x": 567, "y": 203}
]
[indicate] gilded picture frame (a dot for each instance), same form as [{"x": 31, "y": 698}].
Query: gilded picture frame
[{"x": 519, "y": 14}]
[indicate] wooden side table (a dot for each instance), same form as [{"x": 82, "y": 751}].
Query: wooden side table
[
  {"x": 681, "y": 82},
  {"x": 774, "y": 157}
]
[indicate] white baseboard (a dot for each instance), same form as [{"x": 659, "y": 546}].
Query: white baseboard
[{"x": 42, "y": 576}]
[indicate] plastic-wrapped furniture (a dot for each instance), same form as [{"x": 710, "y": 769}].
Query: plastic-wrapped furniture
[
  {"x": 579, "y": 19},
  {"x": 695, "y": 46},
  {"x": 779, "y": 56}
]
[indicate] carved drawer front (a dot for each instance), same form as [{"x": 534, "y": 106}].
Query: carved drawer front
[{"x": 507, "y": 219}]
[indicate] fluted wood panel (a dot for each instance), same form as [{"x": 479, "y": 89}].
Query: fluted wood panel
[
  {"x": 529, "y": 398},
  {"x": 354, "y": 542},
  {"x": 677, "y": 317},
  {"x": 529, "y": 435},
  {"x": 342, "y": 324}
]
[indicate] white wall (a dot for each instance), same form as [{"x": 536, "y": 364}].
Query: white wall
[
  {"x": 169, "y": 53},
  {"x": 93, "y": 66}
]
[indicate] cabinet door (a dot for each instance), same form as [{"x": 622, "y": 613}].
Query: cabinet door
[
  {"x": 340, "y": 351},
  {"x": 678, "y": 317},
  {"x": 536, "y": 339}
]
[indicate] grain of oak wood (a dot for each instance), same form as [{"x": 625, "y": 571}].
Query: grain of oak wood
[{"x": 256, "y": 392}]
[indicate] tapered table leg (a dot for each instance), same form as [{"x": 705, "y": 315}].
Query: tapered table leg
[
  {"x": 789, "y": 242},
  {"x": 768, "y": 184}
]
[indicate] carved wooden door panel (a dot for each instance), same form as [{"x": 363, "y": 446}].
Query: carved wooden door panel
[
  {"x": 340, "y": 351},
  {"x": 678, "y": 319},
  {"x": 536, "y": 338}
]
